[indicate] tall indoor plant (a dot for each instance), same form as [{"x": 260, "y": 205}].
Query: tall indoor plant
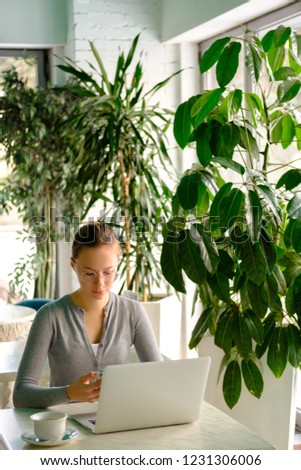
[
  {"x": 239, "y": 241},
  {"x": 125, "y": 130},
  {"x": 43, "y": 157}
]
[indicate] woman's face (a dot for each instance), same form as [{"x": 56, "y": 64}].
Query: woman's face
[{"x": 96, "y": 269}]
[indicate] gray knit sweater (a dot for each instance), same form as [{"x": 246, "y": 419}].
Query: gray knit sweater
[{"x": 58, "y": 331}]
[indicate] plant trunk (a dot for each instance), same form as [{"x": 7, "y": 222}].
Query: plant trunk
[
  {"x": 46, "y": 251},
  {"x": 125, "y": 198}
]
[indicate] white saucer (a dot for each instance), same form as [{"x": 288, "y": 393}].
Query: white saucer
[{"x": 34, "y": 440}]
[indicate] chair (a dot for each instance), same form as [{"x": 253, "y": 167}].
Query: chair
[
  {"x": 11, "y": 353},
  {"x": 33, "y": 303}
]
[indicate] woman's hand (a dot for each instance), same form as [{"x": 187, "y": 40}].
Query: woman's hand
[{"x": 86, "y": 388}]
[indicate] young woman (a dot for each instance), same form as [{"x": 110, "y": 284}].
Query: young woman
[{"x": 84, "y": 331}]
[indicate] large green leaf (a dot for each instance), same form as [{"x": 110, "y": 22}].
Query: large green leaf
[
  {"x": 227, "y": 64},
  {"x": 276, "y": 126},
  {"x": 288, "y": 131},
  {"x": 131, "y": 52},
  {"x": 218, "y": 145},
  {"x": 231, "y": 136},
  {"x": 272, "y": 290},
  {"x": 188, "y": 191},
  {"x": 212, "y": 54},
  {"x": 101, "y": 66},
  {"x": 253, "y": 261},
  {"x": 288, "y": 90},
  {"x": 207, "y": 246},
  {"x": 232, "y": 384},
  {"x": 191, "y": 259},
  {"x": 289, "y": 302},
  {"x": 281, "y": 35},
  {"x": 284, "y": 73},
  {"x": 270, "y": 198},
  {"x": 258, "y": 298},
  {"x": 267, "y": 40},
  {"x": 230, "y": 207},
  {"x": 294, "y": 345},
  {"x": 255, "y": 326},
  {"x": 203, "y": 150},
  {"x": 269, "y": 327},
  {"x": 297, "y": 294},
  {"x": 256, "y": 109},
  {"x": 241, "y": 336},
  {"x": 287, "y": 238},
  {"x": 252, "y": 377},
  {"x": 253, "y": 61},
  {"x": 202, "y": 325},
  {"x": 223, "y": 334},
  {"x": 231, "y": 104},
  {"x": 230, "y": 164},
  {"x": 278, "y": 351},
  {"x": 205, "y": 105},
  {"x": 214, "y": 209},
  {"x": 249, "y": 143},
  {"x": 182, "y": 124},
  {"x": 171, "y": 264},
  {"x": 294, "y": 207},
  {"x": 276, "y": 56},
  {"x": 226, "y": 264},
  {"x": 292, "y": 263},
  {"x": 219, "y": 284},
  {"x": 296, "y": 235},
  {"x": 269, "y": 249},
  {"x": 294, "y": 55},
  {"x": 80, "y": 74},
  {"x": 253, "y": 214},
  {"x": 290, "y": 179}
]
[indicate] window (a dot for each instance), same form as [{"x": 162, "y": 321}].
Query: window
[
  {"x": 288, "y": 16},
  {"x": 31, "y": 65}
]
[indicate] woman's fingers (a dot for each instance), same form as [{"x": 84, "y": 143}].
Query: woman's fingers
[{"x": 86, "y": 388}]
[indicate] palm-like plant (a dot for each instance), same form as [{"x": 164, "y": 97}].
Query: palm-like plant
[
  {"x": 131, "y": 170},
  {"x": 239, "y": 241}
]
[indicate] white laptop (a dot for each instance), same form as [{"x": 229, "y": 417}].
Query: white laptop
[{"x": 146, "y": 394}]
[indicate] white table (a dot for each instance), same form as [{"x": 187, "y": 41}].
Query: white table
[
  {"x": 214, "y": 430},
  {"x": 15, "y": 321}
]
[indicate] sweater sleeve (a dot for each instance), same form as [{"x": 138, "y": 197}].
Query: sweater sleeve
[
  {"x": 27, "y": 392},
  {"x": 144, "y": 339}
]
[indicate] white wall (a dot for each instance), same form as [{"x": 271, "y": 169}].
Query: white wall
[{"x": 112, "y": 25}]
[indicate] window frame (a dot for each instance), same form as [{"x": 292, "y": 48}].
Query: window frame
[{"x": 41, "y": 56}]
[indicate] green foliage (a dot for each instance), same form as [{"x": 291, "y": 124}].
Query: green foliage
[
  {"x": 246, "y": 259},
  {"x": 43, "y": 157},
  {"x": 125, "y": 130}
]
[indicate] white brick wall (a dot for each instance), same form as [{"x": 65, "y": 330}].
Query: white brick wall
[{"x": 112, "y": 25}]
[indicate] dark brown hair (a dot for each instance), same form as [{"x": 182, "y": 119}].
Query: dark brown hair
[{"x": 92, "y": 235}]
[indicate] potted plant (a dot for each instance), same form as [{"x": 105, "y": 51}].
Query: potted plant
[
  {"x": 125, "y": 130},
  {"x": 43, "y": 181},
  {"x": 238, "y": 241}
]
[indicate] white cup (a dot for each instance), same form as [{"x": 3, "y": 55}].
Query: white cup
[{"x": 49, "y": 425}]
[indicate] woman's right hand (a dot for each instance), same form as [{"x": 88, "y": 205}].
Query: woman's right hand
[{"x": 86, "y": 388}]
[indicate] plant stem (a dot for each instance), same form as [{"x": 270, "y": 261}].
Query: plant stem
[{"x": 125, "y": 193}]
